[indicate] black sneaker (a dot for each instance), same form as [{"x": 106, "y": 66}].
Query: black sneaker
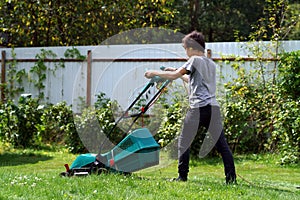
[
  {"x": 230, "y": 179},
  {"x": 179, "y": 179}
]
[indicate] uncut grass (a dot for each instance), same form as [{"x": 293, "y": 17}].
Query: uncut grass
[{"x": 34, "y": 175}]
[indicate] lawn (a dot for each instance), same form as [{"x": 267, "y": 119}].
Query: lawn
[{"x": 31, "y": 174}]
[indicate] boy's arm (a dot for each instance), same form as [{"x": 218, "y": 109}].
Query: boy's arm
[
  {"x": 168, "y": 74},
  {"x": 185, "y": 78}
]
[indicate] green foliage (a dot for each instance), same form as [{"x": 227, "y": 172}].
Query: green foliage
[
  {"x": 277, "y": 21},
  {"x": 74, "y": 53},
  {"x": 73, "y": 140},
  {"x": 246, "y": 113},
  {"x": 171, "y": 124},
  {"x": 106, "y": 110},
  {"x": 262, "y": 108},
  {"x": 18, "y": 122},
  {"x": 289, "y": 74},
  {"x": 261, "y": 116},
  {"x": 286, "y": 134},
  {"x": 66, "y": 23},
  {"x": 36, "y": 75},
  {"x": 29, "y": 124},
  {"x": 172, "y": 117},
  {"x": 56, "y": 125},
  {"x": 8, "y": 121},
  {"x": 294, "y": 34},
  {"x": 218, "y": 20},
  {"x": 287, "y": 124},
  {"x": 39, "y": 71},
  {"x": 93, "y": 122},
  {"x": 90, "y": 22},
  {"x": 16, "y": 77}
]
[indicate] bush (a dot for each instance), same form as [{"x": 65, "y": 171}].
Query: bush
[
  {"x": 172, "y": 115},
  {"x": 247, "y": 117},
  {"x": 73, "y": 140},
  {"x": 107, "y": 112},
  {"x": 262, "y": 116},
  {"x": 18, "y": 122},
  {"x": 8, "y": 121},
  {"x": 95, "y": 128},
  {"x": 286, "y": 134},
  {"x": 31, "y": 125},
  {"x": 56, "y": 124},
  {"x": 289, "y": 74},
  {"x": 171, "y": 124}
]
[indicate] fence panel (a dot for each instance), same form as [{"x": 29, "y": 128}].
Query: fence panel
[{"x": 117, "y": 70}]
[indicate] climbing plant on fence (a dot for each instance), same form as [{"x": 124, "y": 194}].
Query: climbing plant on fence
[
  {"x": 40, "y": 69},
  {"x": 15, "y": 78},
  {"x": 46, "y": 64}
]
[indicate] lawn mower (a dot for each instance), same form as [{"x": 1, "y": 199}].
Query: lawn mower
[{"x": 137, "y": 150}]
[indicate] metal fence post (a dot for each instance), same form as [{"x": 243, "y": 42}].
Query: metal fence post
[
  {"x": 3, "y": 75},
  {"x": 89, "y": 78}
]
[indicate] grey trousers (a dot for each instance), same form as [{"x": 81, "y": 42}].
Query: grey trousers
[{"x": 208, "y": 117}]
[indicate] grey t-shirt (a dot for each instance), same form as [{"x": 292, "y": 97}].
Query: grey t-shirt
[{"x": 202, "y": 81}]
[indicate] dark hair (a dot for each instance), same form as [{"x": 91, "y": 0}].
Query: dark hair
[{"x": 194, "y": 40}]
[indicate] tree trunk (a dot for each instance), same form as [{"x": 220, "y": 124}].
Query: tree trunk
[{"x": 194, "y": 13}]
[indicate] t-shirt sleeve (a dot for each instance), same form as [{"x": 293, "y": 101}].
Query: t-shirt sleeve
[{"x": 188, "y": 66}]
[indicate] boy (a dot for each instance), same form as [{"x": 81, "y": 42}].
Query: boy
[{"x": 204, "y": 111}]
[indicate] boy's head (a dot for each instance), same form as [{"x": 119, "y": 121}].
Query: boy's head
[{"x": 194, "y": 40}]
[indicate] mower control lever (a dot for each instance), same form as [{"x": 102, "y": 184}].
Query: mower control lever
[{"x": 157, "y": 79}]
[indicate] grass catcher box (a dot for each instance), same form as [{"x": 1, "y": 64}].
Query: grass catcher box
[{"x": 136, "y": 151}]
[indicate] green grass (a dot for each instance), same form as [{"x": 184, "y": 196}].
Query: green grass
[{"x": 32, "y": 174}]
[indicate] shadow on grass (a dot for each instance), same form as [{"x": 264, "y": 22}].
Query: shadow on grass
[
  {"x": 14, "y": 159},
  {"x": 271, "y": 186},
  {"x": 209, "y": 160}
]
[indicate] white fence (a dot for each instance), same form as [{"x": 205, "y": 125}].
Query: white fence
[{"x": 117, "y": 70}]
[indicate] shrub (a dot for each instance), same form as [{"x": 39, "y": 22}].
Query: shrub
[
  {"x": 95, "y": 128},
  {"x": 107, "y": 112},
  {"x": 173, "y": 112},
  {"x": 286, "y": 134},
  {"x": 8, "y": 121},
  {"x": 264, "y": 116},
  {"x": 289, "y": 74},
  {"x": 56, "y": 123},
  {"x": 73, "y": 140},
  {"x": 18, "y": 122}
]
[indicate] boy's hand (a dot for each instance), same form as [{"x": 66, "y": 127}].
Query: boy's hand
[{"x": 149, "y": 74}]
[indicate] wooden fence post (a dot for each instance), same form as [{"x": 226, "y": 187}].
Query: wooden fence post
[
  {"x": 89, "y": 78},
  {"x": 3, "y": 75},
  {"x": 209, "y": 54}
]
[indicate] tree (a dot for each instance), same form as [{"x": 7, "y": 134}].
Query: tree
[
  {"x": 89, "y": 22},
  {"x": 80, "y": 22},
  {"x": 217, "y": 20}
]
